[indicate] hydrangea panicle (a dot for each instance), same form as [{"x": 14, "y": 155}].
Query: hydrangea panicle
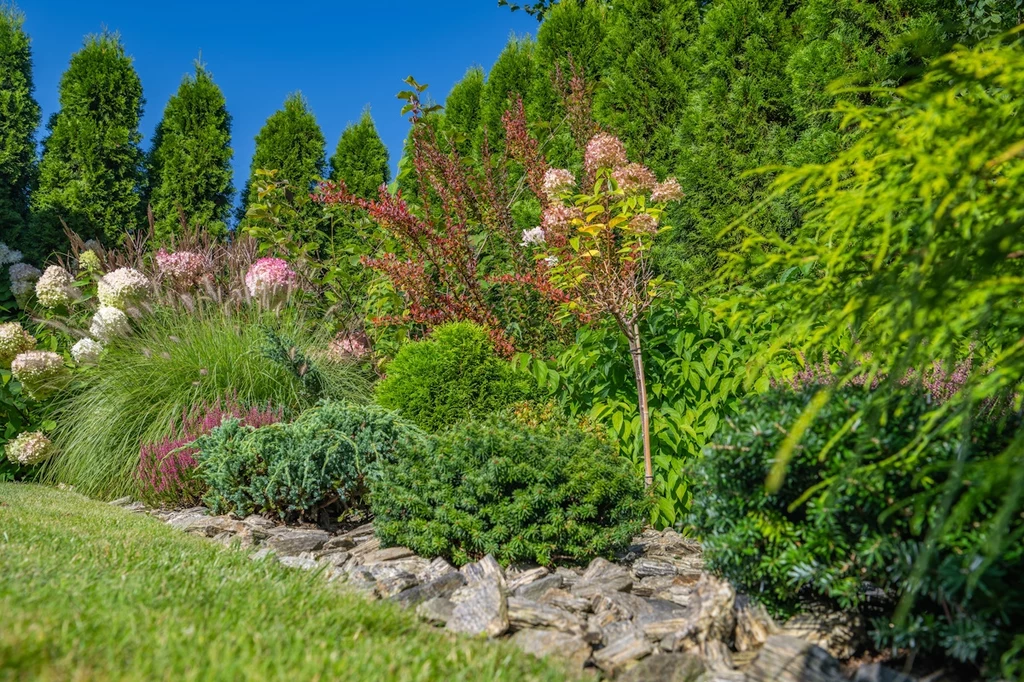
[
  {"x": 108, "y": 323},
  {"x": 55, "y": 288},
  {"x": 634, "y": 178},
  {"x": 558, "y": 181},
  {"x": 183, "y": 268},
  {"x": 23, "y": 279},
  {"x": 604, "y": 151},
  {"x": 39, "y": 371},
  {"x": 86, "y": 351},
  {"x": 668, "y": 190},
  {"x": 268, "y": 277},
  {"x": 14, "y": 340},
  {"x": 122, "y": 288},
  {"x": 533, "y": 236},
  {"x": 9, "y": 255},
  {"x": 31, "y": 447}
]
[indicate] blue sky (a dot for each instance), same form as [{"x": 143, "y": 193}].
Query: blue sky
[{"x": 343, "y": 55}]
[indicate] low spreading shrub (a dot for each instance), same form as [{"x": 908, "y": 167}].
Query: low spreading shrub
[
  {"x": 857, "y": 538},
  {"x": 167, "y": 467},
  {"x": 318, "y": 463},
  {"x": 453, "y": 374},
  {"x": 522, "y": 492}
]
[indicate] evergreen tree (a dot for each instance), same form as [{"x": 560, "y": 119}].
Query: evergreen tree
[
  {"x": 361, "y": 159},
  {"x": 462, "y": 110},
  {"x": 513, "y": 75},
  {"x": 91, "y": 169},
  {"x": 291, "y": 143},
  {"x": 190, "y": 162},
  {"x": 19, "y": 117}
]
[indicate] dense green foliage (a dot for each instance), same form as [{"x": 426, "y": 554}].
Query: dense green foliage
[
  {"x": 844, "y": 543},
  {"x": 19, "y": 118},
  {"x": 317, "y": 464},
  {"x": 174, "y": 361},
  {"x": 91, "y": 168},
  {"x": 452, "y": 374},
  {"x": 189, "y": 164},
  {"x": 522, "y": 492},
  {"x": 361, "y": 160},
  {"x": 124, "y": 597},
  {"x": 291, "y": 143}
]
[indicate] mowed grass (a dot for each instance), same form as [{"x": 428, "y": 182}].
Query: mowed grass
[{"x": 92, "y": 592}]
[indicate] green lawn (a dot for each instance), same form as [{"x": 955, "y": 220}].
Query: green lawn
[{"x": 89, "y": 591}]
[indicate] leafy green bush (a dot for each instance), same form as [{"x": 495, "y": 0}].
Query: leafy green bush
[
  {"x": 318, "y": 462},
  {"x": 449, "y": 376},
  {"x": 844, "y": 540},
  {"x": 177, "y": 359},
  {"x": 521, "y": 492}
]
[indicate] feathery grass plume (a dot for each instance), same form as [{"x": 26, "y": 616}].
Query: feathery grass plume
[{"x": 174, "y": 361}]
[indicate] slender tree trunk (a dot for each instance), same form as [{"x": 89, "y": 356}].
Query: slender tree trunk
[{"x": 633, "y": 336}]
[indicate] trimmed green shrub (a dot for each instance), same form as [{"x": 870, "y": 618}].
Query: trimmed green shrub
[
  {"x": 521, "y": 492},
  {"x": 318, "y": 462},
  {"x": 848, "y": 543},
  {"x": 451, "y": 375}
]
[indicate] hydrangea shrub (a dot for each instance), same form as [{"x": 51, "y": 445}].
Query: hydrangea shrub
[
  {"x": 41, "y": 372},
  {"x": 14, "y": 340},
  {"x": 29, "y": 448}
]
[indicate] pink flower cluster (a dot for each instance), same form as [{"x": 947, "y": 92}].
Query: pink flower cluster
[
  {"x": 268, "y": 277},
  {"x": 166, "y": 470},
  {"x": 634, "y": 178},
  {"x": 604, "y": 151},
  {"x": 556, "y": 182},
  {"x": 347, "y": 345},
  {"x": 183, "y": 268},
  {"x": 557, "y": 218},
  {"x": 669, "y": 190}
]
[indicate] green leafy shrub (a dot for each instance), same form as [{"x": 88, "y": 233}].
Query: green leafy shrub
[
  {"x": 844, "y": 540},
  {"x": 320, "y": 461},
  {"x": 449, "y": 376},
  {"x": 521, "y": 492},
  {"x": 178, "y": 359}
]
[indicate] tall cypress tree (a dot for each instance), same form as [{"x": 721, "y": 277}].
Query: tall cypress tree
[
  {"x": 91, "y": 170},
  {"x": 462, "y": 110},
  {"x": 361, "y": 159},
  {"x": 291, "y": 143},
  {"x": 19, "y": 117},
  {"x": 190, "y": 162}
]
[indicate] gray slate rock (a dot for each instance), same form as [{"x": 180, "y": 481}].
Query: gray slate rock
[
  {"x": 442, "y": 586},
  {"x": 618, "y": 654},
  {"x": 526, "y": 613},
  {"x": 753, "y": 624},
  {"x": 301, "y": 562},
  {"x": 480, "y": 606},
  {"x": 535, "y": 589},
  {"x": 386, "y": 554},
  {"x": 666, "y": 668},
  {"x": 544, "y": 643},
  {"x": 603, "y": 576},
  {"x": 791, "y": 659},
  {"x": 524, "y": 578},
  {"x": 294, "y": 541},
  {"x": 437, "y": 610},
  {"x": 564, "y": 600}
]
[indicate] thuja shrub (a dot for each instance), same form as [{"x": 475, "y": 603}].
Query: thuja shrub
[
  {"x": 453, "y": 374},
  {"x": 543, "y": 493},
  {"x": 319, "y": 463},
  {"x": 167, "y": 467},
  {"x": 850, "y": 520}
]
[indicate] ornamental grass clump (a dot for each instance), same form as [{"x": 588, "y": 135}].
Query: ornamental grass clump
[
  {"x": 174, "y": 360},
  {"x": 542, "y": 493}
]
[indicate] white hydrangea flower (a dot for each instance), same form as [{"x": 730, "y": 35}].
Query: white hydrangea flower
[
  {"x": 14, "y": 340},
  {"x": 39, "y": 371},
  {"x": 9, "y": 255},
  {"x": 122, "y": 288},
  {"x": 54, "y": 289},
  {"x": 31, "y": 447},
  {"x": 108, "y": 323},
  {"x": 86, "y": 351},
  {"x": 23, "y": 279},
  {"x": 533, "y": 236}
]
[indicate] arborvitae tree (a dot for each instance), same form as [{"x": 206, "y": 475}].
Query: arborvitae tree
[
  {"x": 190, "y": 162},
  {"x": 361, "y": 159},
  {"x": 91, "y": 170},
  {"x": 462, "y": 110},
  {"x": 512, "y": 75},
  {"x": 19, "y": 117},
  {"x": 291, "y": 143}
]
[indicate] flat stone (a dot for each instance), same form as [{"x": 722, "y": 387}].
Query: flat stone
[
  {"x": 666, "y": 668},
  {"x": 442, "y": 586},
  {"x": 332, "y": 557},
  {"x": 717, "y": 656},
  {"x": 564, "y": 600},
  {"x": 121, "y": 501},
  {"x": 305, "y": 563},
  {"x": 257, "y": 521},
  {"x": 790, "y": 659},
  {"x": 368, "y": 547},
  {"x": 569, "y": 576},
  {"x": 616, "y": 655},
  {"x": 294, "y": 541},
  {"x": 536, "y": 588},
  {"x": 387, "y": 554},
  {"x": 359, "y": 534},
  {"x": 646, "y": 567},
  {"x": 545, "y": 643},
  {"x": 391, "y": 579},
  {"x": 753, "y": 624},
  {"x": 524, "y": 578},
  {"x": 480, "y": 606},
  {"x": 713, "y": 616},
  {"x": 437, "y": 568},
  {"x": 526, "y": 613},
  {"x": 437, "y": 610}
]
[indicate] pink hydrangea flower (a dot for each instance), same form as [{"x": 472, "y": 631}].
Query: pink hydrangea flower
[
  {"x": 669, "y": 190},
  {"x": 183, "y": 268},
  {"x": 604, "y": 151},
  {"x": 634, "y": 178},
  {"x": 269, "y": 276},
  {"x": 558, "y": 218},
  {"x": 556, "y": 182},
  {"x": 644, "y": 223}
]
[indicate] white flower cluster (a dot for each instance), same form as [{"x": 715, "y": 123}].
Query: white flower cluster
[
  {"x": 86, "y": 351},
  {"x": 533, "y": 236},
  {"x": 14, "y": 340},
  {"x": 23, "y": 279},
  {"x": 8, "y": 255},
  {"x": 38, "y": 371},
  {"x": 89, "y": 261},
  {"x": 108, "y": 323},
  {"x": 31, "y": 447},
  {"x": 55, "y": 288},
  {"x": 122, "y": 288}
]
